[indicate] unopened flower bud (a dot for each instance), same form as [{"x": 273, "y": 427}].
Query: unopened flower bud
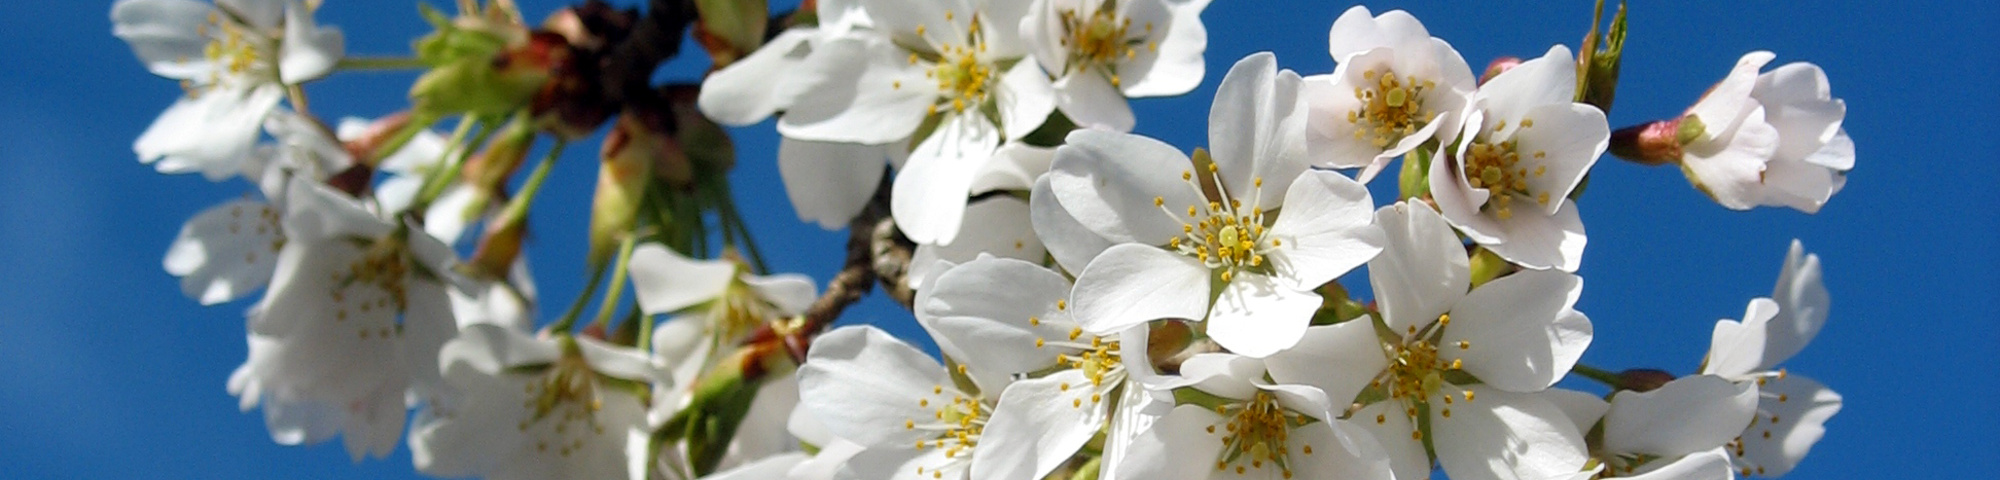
[
  {"x": 730, "y": 29},
  {"x": 630, "y": 153},
  {"x": 494, "y": 85},
  {"x": 487, "y": 171},
  {"x": 499, "y": 247},
  {"x": 1643, "y": 379},
  {"x": 1598, "y": 62},
  {"x": 1499, "y": 65},
  {"x": 1655, "y": 143},
  {"x": 383, "y": 136}
]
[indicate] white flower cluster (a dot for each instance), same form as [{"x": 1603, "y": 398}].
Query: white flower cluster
[{"x": 1106, "y": 305}]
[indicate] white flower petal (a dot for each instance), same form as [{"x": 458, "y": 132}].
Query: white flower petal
[
  {"x": 1513, "y": 94},
  {"x": 1131, "y": 284},
  {"x": 1177, "y": 446},
  {"x": 829, "y": 183},
  {"x": 860, "y": 381},
  {"x": 1685, "y": 416},
  {"x": 165, "y": 35},
  {"x": 1038, "y": 425},
  {"x": 1257, "y": 316},
  {"x": 982, "y": 309},
  {"x": 1567, "y": 139},
  {"x": 308, "y": 51},
  {"x": 752, "y": 88},
  {"x": 226, "y": 251},
  {"x": 1519, "y": 332},
  {"x": 314, "y": 211},
  {"x": 1256, "y": 130},
  {"x": 211, "y": 133},
  {"x": 1014, "y": 167},
  {"x": 1088, "y": 99},
  {"x": 1331, "y": 456},
  {"x": 1707, "y": 465},
  {"x": 666, "y": 282},
  {"x": 1505, "y": 435},
  {"x": 1794, "y": 411},
  {"x": 1003, "y": 229},
  {"x": 928, "y": 198},
  {"x": 1327, "y": 229},
  {"x": 868, "y": 93},
  {"x": 1802, "y": 305},
  {"x": 1177, "y": 66},
  {"x": 1025, "y": 98},
  {"x": 1583, "y": 409},
  {"x": 1392, "y": 429},
  {"x": 792, "y": 293},
  {"x": 1072, "y": 244},
  {"x": 1422, "y": 271},
  {"x": 1340, "y": 359},
  {"x": 1737, "y": 348},
  {"x": 1541, "y": 242},
  {"x": 1108, "y": 181}
]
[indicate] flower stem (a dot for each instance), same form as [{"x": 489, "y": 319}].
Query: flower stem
[
  {"x": 380, "y": 63},
  {"x": 617, "y": 287},
  {"x": 1607, "y": 377},
  {"x": 452, "y": 160}
]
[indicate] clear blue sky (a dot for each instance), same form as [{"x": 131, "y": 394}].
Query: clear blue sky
[{"x": 106, "y": 371}]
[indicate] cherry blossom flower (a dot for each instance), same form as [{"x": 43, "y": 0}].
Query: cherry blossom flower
[
  {"x": 1526, "y": 147},
  {"x": 944, "y": 77},
  {"x": 1792, "y": 410},
  {"x": 1396, "y": 88},
  {"x": 1102, "y": 51},
  {"x": 1769, "y": 139},
  {"x": 1248, "y": 429},
  {"x": 235, "y": 58},
  {"x": 1268, "y": 260},
  {"x": 913, "y": 421},
  {"x": 548, "y": 407},
  {"x": 1461, "y": 374},
  {"x": 352, "y": 321},
  {"x": 1011, "y": 317}
]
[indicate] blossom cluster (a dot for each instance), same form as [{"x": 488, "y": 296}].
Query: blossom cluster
[{"x": 1104, "y": 304}]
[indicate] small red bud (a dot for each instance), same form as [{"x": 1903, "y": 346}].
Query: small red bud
[{"x": 1499, "y": 65}]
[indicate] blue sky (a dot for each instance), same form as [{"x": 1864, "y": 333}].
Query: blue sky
[{"x": 109, "y": 372}]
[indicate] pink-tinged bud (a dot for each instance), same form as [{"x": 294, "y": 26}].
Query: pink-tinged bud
[
  {"x": 499, "y": 247},
  {"x": 1643, "y": 379},
  {"x": 1499, "y": 66},
  {"x": 730, "y": 29},
  {"x": 383, "y": 133},
  {"x": 1651, "y": 144},
  {"x": 629, "y": 155}
]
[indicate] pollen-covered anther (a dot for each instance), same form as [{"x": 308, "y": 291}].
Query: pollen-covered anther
[{"x": 1391, "y": 107}]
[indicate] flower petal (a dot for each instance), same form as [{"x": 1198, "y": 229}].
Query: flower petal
[
  {"x": 666, "y": 282},
  {"x": 983, "y": 310},
  {"x": 1737, "y": 348},
  {"x": 308, "y": 51},
  {"x": 1422, "y": 271},
  {"x": 1131, "y": 284},
  {"x": 1177, "y": 66},
  {"x": 1327, "y": 229},
  {"x": 868, "y": 92},
  {"x": 860, "y": 382},
  {"x": 1395, "y": 431},
  {"x": 226, "y": 251},
  {"x": 1256, "y": 130},
  {"x": 829, "y": 183},
  {"x": 928, "y": 198},
  {"x": 1177, "y": 445},
  {"x": 1088, "y": 99},
  {"x": 1687, "y": 415},
  {"x": 1505, "y": 435},
  {"x": 752, "y": 88},
  {"x": 211, "y": 133},
  {"x": 1003, "y": 230},
  {"x": 1340, "y": 359},
  {"x": 1038, "y": 425},
  {"x": 1025, "y": 99},
  {"x": 1802, "y": 305},
  {"x": 166, "y": 35},
  {"x": 1072, "y": 244},
  {"x": 1257, "y": 316},
  {"x": 1798, "y": 408},
  {"x": 1108, "y": 181},
  {"x": 1519, "y": 333}
]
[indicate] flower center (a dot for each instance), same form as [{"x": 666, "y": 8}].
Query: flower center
[
  {"x": 1224, "y": 236},
  {"x": 235, "y": 50},
  {"x": 1255, "y": 435},
  {"x": 567, "y": 392},
  {"x": 959, "y": 423},
  {"x": 1100, "y": 38},
  {"x": 964, "y": 80},
  {"x": 1497, "y": 167},
  {"x": 1417, "y": 370},
  {"x": 1391, "y": 107}
]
